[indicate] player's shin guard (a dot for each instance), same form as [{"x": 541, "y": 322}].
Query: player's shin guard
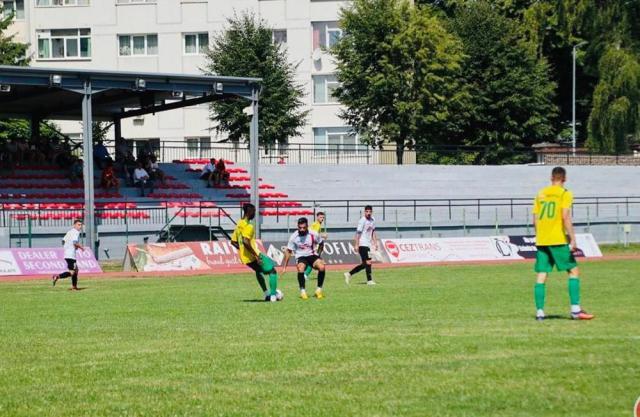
[
  {"x": 574, "y": 291},
  {"x": 273, "y": 282},
  {"x": 74, "y": 280},
  {"x": 261, "y": 281},
  {"x": 357, "y": 269},
  {"x": 66, "y": 274},
  {"x": 539, "y": 293},
  {"x": 301, "y": 280},
  {"x": 368, "y": 269},
  {"x": 321, "y": 278}
]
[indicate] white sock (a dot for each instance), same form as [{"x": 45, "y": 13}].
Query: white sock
[
  {"x": 318, "y": 289},
  {"x": 540, "y": 313},
  {"x": 575, "y": 308},
  {"x": 302, "y": 290}
]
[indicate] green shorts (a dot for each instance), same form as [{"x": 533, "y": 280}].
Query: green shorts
[
  {"x": 559, "y": 256},
  {"x": 267, "y": 263}
]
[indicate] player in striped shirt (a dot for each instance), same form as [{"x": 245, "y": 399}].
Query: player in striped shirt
[
  {"x": 306, "y": 245},
  {"x": 316, "y": 227}
]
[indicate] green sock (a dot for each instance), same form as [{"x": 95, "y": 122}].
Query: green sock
[
  {"x": 539, "y": 291},
  {"x": 308, "y": 271},
  {"x": 273, "y": 283},
  {"x": 574, "y": 291}
]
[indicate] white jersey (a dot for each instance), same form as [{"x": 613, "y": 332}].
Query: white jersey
[
  {"x": 365, "y": 231},
  {"x": 304, "y": 245},
  {"x": 70, "y": 239}
]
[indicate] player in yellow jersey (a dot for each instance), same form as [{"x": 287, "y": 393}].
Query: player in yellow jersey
[
  {"x": 316, "y": 227},
  {"x": 243, "y": 239},
  {"x": 552, "y": 219}
]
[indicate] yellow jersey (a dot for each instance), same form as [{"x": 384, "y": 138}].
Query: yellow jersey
[
  {"x": 316, "y": 226},
  {"x": 547, "y": 207},
  {"x": 244, "y": 229}
]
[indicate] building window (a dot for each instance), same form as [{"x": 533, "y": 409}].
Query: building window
[
  {"x": 324, "y": 87},
  {"x": 61, "y": 3},
  {"x": 196, "y": 43},
  {"x": 64, "y": 44},
  {"x": 279, "y": 36},
  {"x": 198, "y": 146},
  {"x": 138, "y": 45},
  {"x": 13, "y": 6},
  {"x": 330, "y": 140},
  {"x": 325, "y": 34}
]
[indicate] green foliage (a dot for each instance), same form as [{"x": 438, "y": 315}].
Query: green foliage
[
  {"x": 399, "y": 71},
  {"x": 11, "y": 52},
  {"x": 614, "y": 124},
  {"x": 246, "y": 49},
  {"x": 18, "y": 129},
  {"x": 511, "y": 92}
]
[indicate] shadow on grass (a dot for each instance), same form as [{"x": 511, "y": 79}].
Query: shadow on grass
[{"x": 255, "y": 300}]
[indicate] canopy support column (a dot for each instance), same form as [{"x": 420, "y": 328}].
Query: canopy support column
[
  {"x": 90, "y": 227},
  {"x": 255, "y": 160}
]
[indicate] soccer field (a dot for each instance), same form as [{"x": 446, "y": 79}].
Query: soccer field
[{"x": 428, "y": 341}]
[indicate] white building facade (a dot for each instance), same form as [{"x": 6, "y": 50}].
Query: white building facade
[{"x": 171, "y": 36}]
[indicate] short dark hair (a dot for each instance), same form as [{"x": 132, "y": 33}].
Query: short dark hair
[
  {"x": 320, "y": 213},
  {"x": 368, "y": 207},
  {"x": 248, "y": 207},
  {"x": 558, "y": 173},
  {"x": 76, "y": 221},
  {"x": 303, "y": 220}
]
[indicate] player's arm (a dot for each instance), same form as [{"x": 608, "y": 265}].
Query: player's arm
[
  {"x": 320, "y": 248},
  {"x": 247, "y": 245},
  {"x": 567, "y": 222},
  {"x": 287, "y": 256},
  {"x": 357, "y": 240},
  {"x": 374, "y": 239},
  {"x": 77, "y": 245}
]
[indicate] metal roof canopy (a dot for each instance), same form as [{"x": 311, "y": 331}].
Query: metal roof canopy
[{"x": 86, "y": 95}]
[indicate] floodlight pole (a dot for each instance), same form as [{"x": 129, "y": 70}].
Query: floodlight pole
[
  {"x": 87, "y": 144},
  {"x": 255, "y": 159}
]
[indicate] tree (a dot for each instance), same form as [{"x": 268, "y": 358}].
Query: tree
[
  {"x": 614, "y": 123},
  {"x": 11, "y": 52},
  {"x": 399, "y": 71},
  {"x": 246, "y": 49},
  {"x": 511, "y": 90}
]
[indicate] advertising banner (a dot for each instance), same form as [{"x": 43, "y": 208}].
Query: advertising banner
[
  {"x": 336, "y": 252},
  {"x": 44, "y": 261},
  {"x": 182, "y": 256},
  {"x": 474, "y": 248}
]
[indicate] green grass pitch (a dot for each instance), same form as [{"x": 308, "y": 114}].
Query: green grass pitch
[{"x": 428, "y": 341}]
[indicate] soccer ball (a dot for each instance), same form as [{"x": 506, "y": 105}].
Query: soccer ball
[{"x": 279, "y": 295}]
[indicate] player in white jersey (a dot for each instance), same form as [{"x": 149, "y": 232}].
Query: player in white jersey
[
  {"x": 365, "y": 241},
  {"x": 306, "y": 245},
  {"x": 71, "y": 243}
]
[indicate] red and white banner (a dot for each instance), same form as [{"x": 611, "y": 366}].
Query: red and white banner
[
  {"x": 44, "y": 261},
  {"x": 474, "y": 248},
  {"x": 182, "y": 256}
]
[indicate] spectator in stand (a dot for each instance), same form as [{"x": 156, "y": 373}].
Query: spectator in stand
[
  {"x": 100, "y": 154},
  {"x": 220, "y": 176},
  {"x": 23, "y": 151},
  {"x": 122, "y": 150},
  {"x": 154, "y": 170},
  {"x": 141, "y": 179},
  {"x": 207, "y": 170},
  {"x": 76, "y": 171},
  {"x": 12, "y": 153},
  {"x": 108, "y": 179}
]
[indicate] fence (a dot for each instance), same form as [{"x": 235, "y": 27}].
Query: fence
[
  {"x": 566, "y": 156},
  {"x": 309, "y": 153}
]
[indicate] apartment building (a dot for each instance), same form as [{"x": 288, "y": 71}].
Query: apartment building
[{"x": 171, "y": 36}]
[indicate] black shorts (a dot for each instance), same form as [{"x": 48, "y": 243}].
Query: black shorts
[
  {"x": 71, "y": 264},
  {"x": 364, "y": 253},
  {"x": 308, "y": 260}
]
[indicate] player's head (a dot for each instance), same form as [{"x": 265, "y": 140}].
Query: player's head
[
  {"x": 558, "y": 175},
  {"x": 303, "y": 226},
  {"x": 249, "y": 211},
  {"x": 320, "y": 217},
  {"x": 367, "y": 211},
  {"x": 77, "y": 224}
]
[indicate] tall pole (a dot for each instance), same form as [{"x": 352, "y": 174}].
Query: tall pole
[
  {"x": 255, "y": 159},
  {"x": 87, "y": 145},
  {"x": 573, "y": 104}
]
